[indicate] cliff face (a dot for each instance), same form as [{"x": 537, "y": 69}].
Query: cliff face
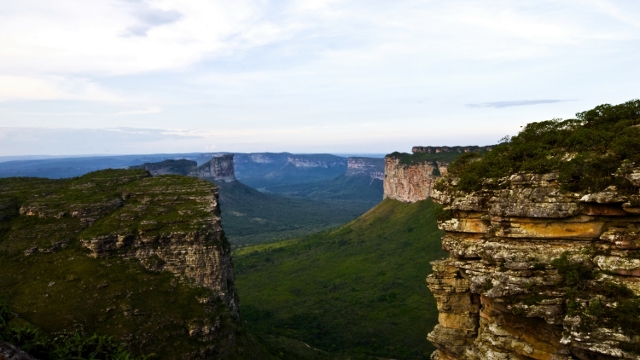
[
  {"x": 143, "y": 259},
  {"x": 316, "y": 161},
  {"x": 410, "y": 182},
  {"x": 192, "y": 246},
  {"x": 181, "y": 167},
  {"x": 371, "y": 167},
  {"x": 538, "y": 273},
  {"x": 219, "y": 168}
]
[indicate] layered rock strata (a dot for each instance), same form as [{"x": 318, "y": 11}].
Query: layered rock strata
[
  {"x": 316, "y": 161},
  {"x": 126, "y": 220},
  {"x": 361, "y": 166},
  {"x": 219, "y": 168},
  {"x": 538, "y": 273},
  {"x": 411, "y": 182},
  {"x": 170, "y": 224}
]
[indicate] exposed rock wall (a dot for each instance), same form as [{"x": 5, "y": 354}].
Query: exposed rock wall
[
  {"x": 360, "y": 166},
  {"x": 410, "y": 182},
  {"x": 219, "y": 168},
  {"x": 316, "y": 161},
  {"x": 538, "y": 273},
  {"x": 192, "y": 245}
]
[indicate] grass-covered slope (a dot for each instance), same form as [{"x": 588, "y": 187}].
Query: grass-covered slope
[
  {"x": 357, "y": 289},
  {"x": 249, "y": 216},
  {"x": 60, "y": 288},
  {"x": 585, "y": 151}
]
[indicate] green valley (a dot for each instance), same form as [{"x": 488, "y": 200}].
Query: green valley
[
  {"x": 250, "y": 217},
  {"x": 356, "y": 290}
]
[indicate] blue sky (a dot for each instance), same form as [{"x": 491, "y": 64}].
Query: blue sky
[{"x": 137, "y": 76}]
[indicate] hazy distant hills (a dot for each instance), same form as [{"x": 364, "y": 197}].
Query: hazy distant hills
[
  {"x": 266, "y": 170},
  {"x": 57, "y": 168},
  {"x": 300, "y": 194}
]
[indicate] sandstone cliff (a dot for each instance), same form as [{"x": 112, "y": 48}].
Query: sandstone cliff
[
  {"x": 219, "y": 168},
  {"x": 410, "y": 182},
  {"x": 538, "y": 273},
  {"x": 191, "y": 244}
]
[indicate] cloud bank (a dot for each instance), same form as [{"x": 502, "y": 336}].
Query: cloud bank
[{"x": 374, "y": 74}]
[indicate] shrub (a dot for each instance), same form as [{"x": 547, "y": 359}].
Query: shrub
[{"x": 585, "y": 151}]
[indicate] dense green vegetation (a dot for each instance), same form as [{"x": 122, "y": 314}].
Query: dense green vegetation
[
  {"x": 181, "y": 166},
  {"x": 408, "y": 159},
  {"x": 358, "y": 289},
  {"x": 60, "y": 346},
  {"x": 59, "y": 288},
  {"x": 250, "y": 217},
  {"x": 599, "y": 301},
  {"x": 586, "y": 151}
]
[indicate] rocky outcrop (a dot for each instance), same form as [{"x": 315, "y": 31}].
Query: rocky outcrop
[
  {"x": 410, "y": 182},
  {"x": 10, "y": 352},
  {"x": 259, "y": 158},
  {"x": 189, "y": 241},
  {"x": 183, "y": 305},
  {"x": 538, "y": 273},
  {"x": 219, "y": 168},
  {"x": 451, "y": 149},
  {"x": 180, "y": 167},
  {"x": 361, "y": 166}
]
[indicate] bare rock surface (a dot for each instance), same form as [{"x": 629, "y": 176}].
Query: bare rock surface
[
  {"x": 10, "y": 352},
  {"x": 534, "y": 272},
  {"x": 410, "y": 182}
]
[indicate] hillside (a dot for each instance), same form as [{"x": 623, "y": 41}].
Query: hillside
[
  {"x": 250, "y": 216},
  {"x": 544, "y": 242},
  {"x": 105, "y": 253},
  {"x": 357, "y": 289}
]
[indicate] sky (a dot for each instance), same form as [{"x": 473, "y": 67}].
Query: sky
[{"x": 167, "y": 76}]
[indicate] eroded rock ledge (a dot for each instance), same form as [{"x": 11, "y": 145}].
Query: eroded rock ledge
[
  {"x": 170, "y": 223},
  {"x": 538, "y": 273}
]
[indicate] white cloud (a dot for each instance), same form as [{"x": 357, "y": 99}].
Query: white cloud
[
  {"x": 147, "y": 111},
  {"x": 48, "y": 87},
  {"x": 80, "y": 36},
  {"x": 312, "y": 71}
]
